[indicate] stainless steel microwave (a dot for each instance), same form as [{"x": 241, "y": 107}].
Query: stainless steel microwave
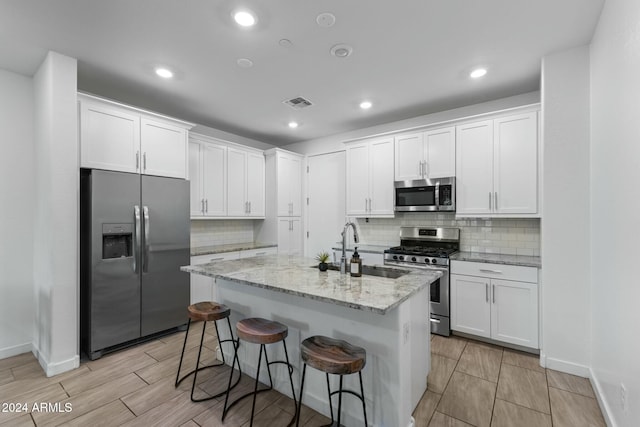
[{"x": 426, "y": 195}]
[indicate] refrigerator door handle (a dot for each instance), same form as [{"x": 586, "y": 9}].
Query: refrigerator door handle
[
  {"x": 136, "y": 236},
  {"x": 145, "y": 259}
]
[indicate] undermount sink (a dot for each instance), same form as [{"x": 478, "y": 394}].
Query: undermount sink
[{"x": 374, "y": 270}]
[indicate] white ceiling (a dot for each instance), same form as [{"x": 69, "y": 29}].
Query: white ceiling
[{"x": 410, "y": 57}]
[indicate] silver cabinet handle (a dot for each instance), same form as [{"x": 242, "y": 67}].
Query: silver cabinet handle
[
  {"x": 246, "y": 207},
  {"x": 138, "y": 160},
  {"x": 147, "y": 226},
  {"x": 495, "y": 201},
  {"x": 489, "y": 200},
  {"x": 216, "y": 259},
  {"x": 202, "y": 206},
  {"x": 494, "y": 294},
  {"x": 136, "y": 236},
  {"x": 420, "y": 169},
  {"x": 260, "y": 253},
  {"x": 249, "y": 207},
  {"x": 426, "y": 169},
  {"x": 206, "y": 205},
  {"x": 144, "y": 161},
  {"x": 484, "y": 270},
  {"x": 486, "y": 292}
]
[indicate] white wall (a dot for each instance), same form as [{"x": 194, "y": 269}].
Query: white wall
[
  {"x": 565, "y": 241},
  {"x": 335, "y": 142},
  {"x": 56, "y": 221},
  {"x": 615, "y": 197},
  {"x": 17, "y": 206}
]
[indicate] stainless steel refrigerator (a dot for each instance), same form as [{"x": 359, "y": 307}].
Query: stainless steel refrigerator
[{"x": 134, "y": 236}]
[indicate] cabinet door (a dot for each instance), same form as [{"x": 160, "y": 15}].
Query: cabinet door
[
  {"x": 109, "y": 138},
  {"x": 514, "y": 313},
  {"x": 255, "y": 184},
  {"x": 470, "y": 306},
  {"x": 237, "y": 182},
  {"x": 282, "y": 184},
  {"x": 440, "y": 149},
  {"x": 214, "y": 179},
  {"x": 289, "y": 185},
  {"x": 164, "y": 149},
  {"x": 295, "y": 185},
  {"x": 196, "y": 204},
  {"x": 358, "y": 179},
  {"x": 381, "y": 187},
  {"x": 295, "y": 237},
  {"x": 409, "y": 155},
  {"x": 284, "y": 233},
  {"x": 515, "y": 164},
  {"x": 474, "y": 168}
]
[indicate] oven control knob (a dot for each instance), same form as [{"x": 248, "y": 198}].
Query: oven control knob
[
  {"x": 434, "y": 261},
  {"x": 413, "y": 259},
  {"x": 401, "y": 258},
  {"x": 426, "y": 260},
  {"x": 395, "y": 257}
]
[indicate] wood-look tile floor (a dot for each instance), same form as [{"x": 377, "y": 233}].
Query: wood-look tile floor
[
  {"x": 135, "y": 387},
  {"x": 477, "y": 384},
  {"x": 470, "y": 384}
]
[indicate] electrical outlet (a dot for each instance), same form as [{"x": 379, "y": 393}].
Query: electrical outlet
[
  {"x": 405, "y": 332},
  {"x": 623, "y": 398}
]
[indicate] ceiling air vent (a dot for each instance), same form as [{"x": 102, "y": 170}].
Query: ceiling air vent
[{"x": 298, "y": 103}]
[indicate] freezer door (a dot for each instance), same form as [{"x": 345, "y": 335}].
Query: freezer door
[
  {"x": 114, "y": 287},
  {"x": 166, "y": 247}
]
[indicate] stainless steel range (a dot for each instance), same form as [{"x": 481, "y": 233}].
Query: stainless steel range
[{"x": 429, "y": 248}]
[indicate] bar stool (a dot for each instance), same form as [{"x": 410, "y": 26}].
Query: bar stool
[
  {"x": 208, "y": 311},
  {"x": 333, "y": 356},
  {"x": 261, "y": 331}
]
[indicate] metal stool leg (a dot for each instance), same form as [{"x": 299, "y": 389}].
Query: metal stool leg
[
  {"x": 195, "y": 373},
  {"x": 364, "y": 407},
  {"x": 290, "y": 369},
  {"x": 340, "y": 401},
  {"x": 226, "y": 399},
  {"x": 330, "y": 404},
  {"x": 182, "y": 355},
  {"x": 299, "y": 409},
  {"x": 255, "y": 390}
]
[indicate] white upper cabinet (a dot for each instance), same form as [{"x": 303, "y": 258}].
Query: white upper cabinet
[
  {"x": 207, "y": 174},
  {"x": 497, "y": 167},
  {"x": 164, "y": 149},
  {"x": 425, "y": 155},
  {"x": 126, "y": 139},
  {"x": 245, "y": 183},
  {"x": 289, "y": 183},
  {"x": 370, "y": 176}
]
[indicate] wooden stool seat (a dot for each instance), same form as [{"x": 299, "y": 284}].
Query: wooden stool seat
[
  {"x": 332, "y": 356},
  {"x": 261, "y": 331},
  {"x": 208, "y": 311}
]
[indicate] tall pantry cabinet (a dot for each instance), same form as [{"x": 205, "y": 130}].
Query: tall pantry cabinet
[{"x": 283, "y": 222}]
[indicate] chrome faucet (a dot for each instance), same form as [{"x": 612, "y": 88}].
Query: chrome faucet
[{"x": 343, "y": 259}]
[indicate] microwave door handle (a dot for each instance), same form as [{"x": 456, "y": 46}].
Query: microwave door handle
[
  {"x": 147, "y": 223},
  {"x": 136, "y": 237}
]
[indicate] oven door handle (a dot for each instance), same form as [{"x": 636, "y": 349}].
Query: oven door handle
[{"x": 434, "y": 320}]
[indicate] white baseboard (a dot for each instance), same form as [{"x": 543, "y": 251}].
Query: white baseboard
[
  {"x": 607, "y": 413},
  {"x": 52, "y": 369},
  {"x": 564, "y": 366},
  {"x": 15, "y": 350}
]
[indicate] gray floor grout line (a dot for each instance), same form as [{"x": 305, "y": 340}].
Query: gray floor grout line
[{"x": 495, "y": 395}]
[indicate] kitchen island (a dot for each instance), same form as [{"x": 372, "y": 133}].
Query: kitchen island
[{"x": 388, "y": 317}]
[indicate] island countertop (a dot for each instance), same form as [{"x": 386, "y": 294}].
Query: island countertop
[{"x": 295, "y": 275}]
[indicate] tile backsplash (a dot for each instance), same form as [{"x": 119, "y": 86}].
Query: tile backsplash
[
  {"x": 504, "y": 236},
  {"x": 220, "y": 232}
]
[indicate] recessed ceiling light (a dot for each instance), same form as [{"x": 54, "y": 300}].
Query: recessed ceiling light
[
  {"x": 244, "y": 18},
  {"x": 365, "y": 105},
  {"x": 478, "y": 72},
  {"x": 293, "y": 125},
  {"x": 326, "y": 20},
  {"x": 165, "y": 73},
  {"x": 244, "y": 63},
  {"x": 341, "y": 50}
]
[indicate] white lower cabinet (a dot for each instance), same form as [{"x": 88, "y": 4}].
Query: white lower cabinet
[
  {"x": 202, "y": 288},
  {"x": 290, "y": 236},
  {"x": 495, "y": 301}
]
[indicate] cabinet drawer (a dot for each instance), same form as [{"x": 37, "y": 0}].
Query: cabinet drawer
[
  {"x": 258, "y": 252},
  {"x": 495, "y": 271},
  {"x": 204, "y": 259}
]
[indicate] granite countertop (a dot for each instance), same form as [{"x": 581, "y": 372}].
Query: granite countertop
[
  {"x": 233, "y": 247},
  {"x": 364, "y": 248},
  {"x": 520, "y": 260},
  {"x": 294, "y": 276}
]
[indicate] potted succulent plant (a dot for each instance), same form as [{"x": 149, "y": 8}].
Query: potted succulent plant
[{"x": 322, "y": 258}]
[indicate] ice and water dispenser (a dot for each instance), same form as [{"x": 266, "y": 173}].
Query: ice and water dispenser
[{"x": 117, "y": 241}]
